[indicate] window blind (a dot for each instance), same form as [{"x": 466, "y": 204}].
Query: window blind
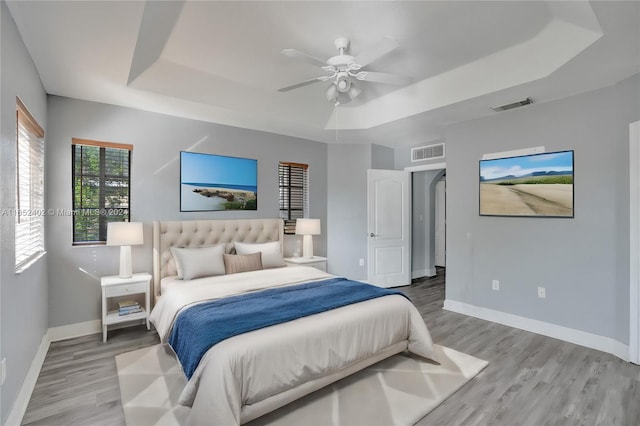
[
  {"x": 294, "y": 193},
  {"x": 30, "y": 212},
  {"x": 101, "y": 188}
]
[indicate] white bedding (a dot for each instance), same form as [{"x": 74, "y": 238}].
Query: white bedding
[{"x": 246, "y": 376}]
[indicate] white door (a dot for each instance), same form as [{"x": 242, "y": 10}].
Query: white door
[
  {"x": 389, "y": 224},
  {"x": 440, "y": 222}
]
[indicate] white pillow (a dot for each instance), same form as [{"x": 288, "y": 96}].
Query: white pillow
[
  {"x": 197, "y": 262},
  {"x": 271, "y": 253}
]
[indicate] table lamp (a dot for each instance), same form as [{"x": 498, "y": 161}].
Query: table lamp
[
  {"x": 125, "y": 235},
  {"x": 307, "y": 228}
]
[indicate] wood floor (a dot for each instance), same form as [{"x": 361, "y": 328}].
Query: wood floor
[{"x": 530, "y": 380}]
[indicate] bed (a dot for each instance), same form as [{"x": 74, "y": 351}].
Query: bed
[{"x": 250, "y": 374}]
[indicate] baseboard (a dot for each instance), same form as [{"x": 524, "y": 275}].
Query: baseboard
[
  {"x": 24, "y": 395},
  {"x": 582, "y": 338},
  {"x": 423, "y": 273},
  {"x": 74, "y": 330}
]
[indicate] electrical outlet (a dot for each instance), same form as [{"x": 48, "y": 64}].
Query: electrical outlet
[
  {"x": 4, "y": 371},
  {"x": 361, "y": 263},
  {"x": 495, "y": 284},
  {"x": 542, "y": 293}
]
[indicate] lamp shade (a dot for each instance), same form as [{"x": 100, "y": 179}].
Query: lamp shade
[
  {"x": 332, "y": 93},
  {"x": 308, "y": 226},
  {"x": 124, "y": 233}
]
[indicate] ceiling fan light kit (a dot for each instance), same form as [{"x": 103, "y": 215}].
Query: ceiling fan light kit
[
  {"x": 342, "y": 82},
  {"x": 343, "y": 68}
]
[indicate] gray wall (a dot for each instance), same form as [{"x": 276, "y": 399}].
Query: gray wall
[
  {"x": 158, "y": 139},
  {"x": 23, "y": 307},
  {"x": 382, "y": 157},
  {"x": 347, "y": 204},
  {"x": 347, "y": 209},
  {"x": 582, "y": 262}
]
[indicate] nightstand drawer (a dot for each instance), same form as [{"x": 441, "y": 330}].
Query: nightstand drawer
[{"x": 123, "y": 290}]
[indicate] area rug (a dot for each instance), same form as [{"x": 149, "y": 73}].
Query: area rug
[{"x": 397, "y": 391}]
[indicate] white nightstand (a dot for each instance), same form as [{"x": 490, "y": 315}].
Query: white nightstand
[
  {"x": 315, "y": 261},
  {"x": 117, "y": 287}
]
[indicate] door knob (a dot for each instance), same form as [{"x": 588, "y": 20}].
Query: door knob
[{"x": 372, "y": 235}]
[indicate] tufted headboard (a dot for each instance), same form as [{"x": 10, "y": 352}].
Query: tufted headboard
[{"x": 198, "y": 233}]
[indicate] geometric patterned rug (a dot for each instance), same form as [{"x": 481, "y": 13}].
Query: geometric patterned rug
[{"x": 400, "y": 390}]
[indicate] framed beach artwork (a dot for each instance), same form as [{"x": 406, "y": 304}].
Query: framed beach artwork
[
  {"x": 216, "y": 182},
  {"x": 536, "y": 185}
]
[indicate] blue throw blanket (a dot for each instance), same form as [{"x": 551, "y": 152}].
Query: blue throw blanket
[{"x": 201, "y": 326}]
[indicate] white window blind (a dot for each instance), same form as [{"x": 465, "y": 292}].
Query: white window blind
[
  {"x": 30, "y": 212},
  {"x": 294, "y": 193}
]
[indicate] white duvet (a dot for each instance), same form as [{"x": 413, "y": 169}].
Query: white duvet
[{"x": 249, "y": 375}]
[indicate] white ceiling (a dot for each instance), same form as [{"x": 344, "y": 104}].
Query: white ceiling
[{"x": 220, "y": 61}]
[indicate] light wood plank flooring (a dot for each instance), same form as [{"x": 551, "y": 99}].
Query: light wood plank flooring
[{"x": 531, "y": 379}]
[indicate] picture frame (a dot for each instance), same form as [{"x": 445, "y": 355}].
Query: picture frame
[
  {"x": 535, "y": 185},
  {"x": 211, "y": 182}
]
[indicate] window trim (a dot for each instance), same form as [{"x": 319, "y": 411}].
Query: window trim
[{"x": 30, "y": 121}]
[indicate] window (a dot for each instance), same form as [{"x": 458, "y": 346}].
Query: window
[
  {"x": 101, "y": 188},
  {"x": 29, "y": 188},
  {"x": 294, "y": 194}
]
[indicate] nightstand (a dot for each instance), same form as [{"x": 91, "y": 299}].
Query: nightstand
[
  {"x": 315, "y": 261},
  {"x": 115, "y": 286}
]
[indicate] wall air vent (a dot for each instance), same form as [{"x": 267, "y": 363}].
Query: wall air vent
[
  {"x": 428, "y": 152},
  {"x": 513, "y": 105}
]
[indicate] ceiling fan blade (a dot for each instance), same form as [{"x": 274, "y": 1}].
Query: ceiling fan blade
[
  {"x": 385, "y": 46},
  {"x": 382, "y": 77},
  {"x": 302, "y": 84},
  {"x": 296, "y": 54}
]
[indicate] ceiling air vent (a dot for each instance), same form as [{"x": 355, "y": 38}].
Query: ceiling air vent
[
  {"x": 513, "y": 105},
  {"x": 428, "y": 152}
]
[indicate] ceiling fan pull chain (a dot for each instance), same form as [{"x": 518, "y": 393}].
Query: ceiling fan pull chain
[{"x": 335, "y": 106}]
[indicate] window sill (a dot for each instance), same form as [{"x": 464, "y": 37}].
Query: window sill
[
  {"x": 27, "y": 263},
  {"x": 89, "y": 244}
]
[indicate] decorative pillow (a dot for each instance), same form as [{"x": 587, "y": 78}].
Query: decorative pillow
[
  {"x": 271, "y": 253},
  {"x": 197, "y": 262},
  {"x": 234, "y": 263}
]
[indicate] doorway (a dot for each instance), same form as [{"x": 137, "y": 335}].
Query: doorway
[{"x": 425, "y": 179}]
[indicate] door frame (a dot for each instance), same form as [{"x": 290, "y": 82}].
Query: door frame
[
  {"x": 634, "y": 242},
  {"x": 437, "y": 205},
  {"x": 425, "y": 167}
]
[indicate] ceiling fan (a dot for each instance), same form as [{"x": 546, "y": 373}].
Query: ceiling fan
[{"x": 343, "y": 69}]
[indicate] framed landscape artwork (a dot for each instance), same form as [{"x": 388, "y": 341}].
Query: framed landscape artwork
[
  {"x": 216, "y": 182},
  {"x": 537, "y": 185}
]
